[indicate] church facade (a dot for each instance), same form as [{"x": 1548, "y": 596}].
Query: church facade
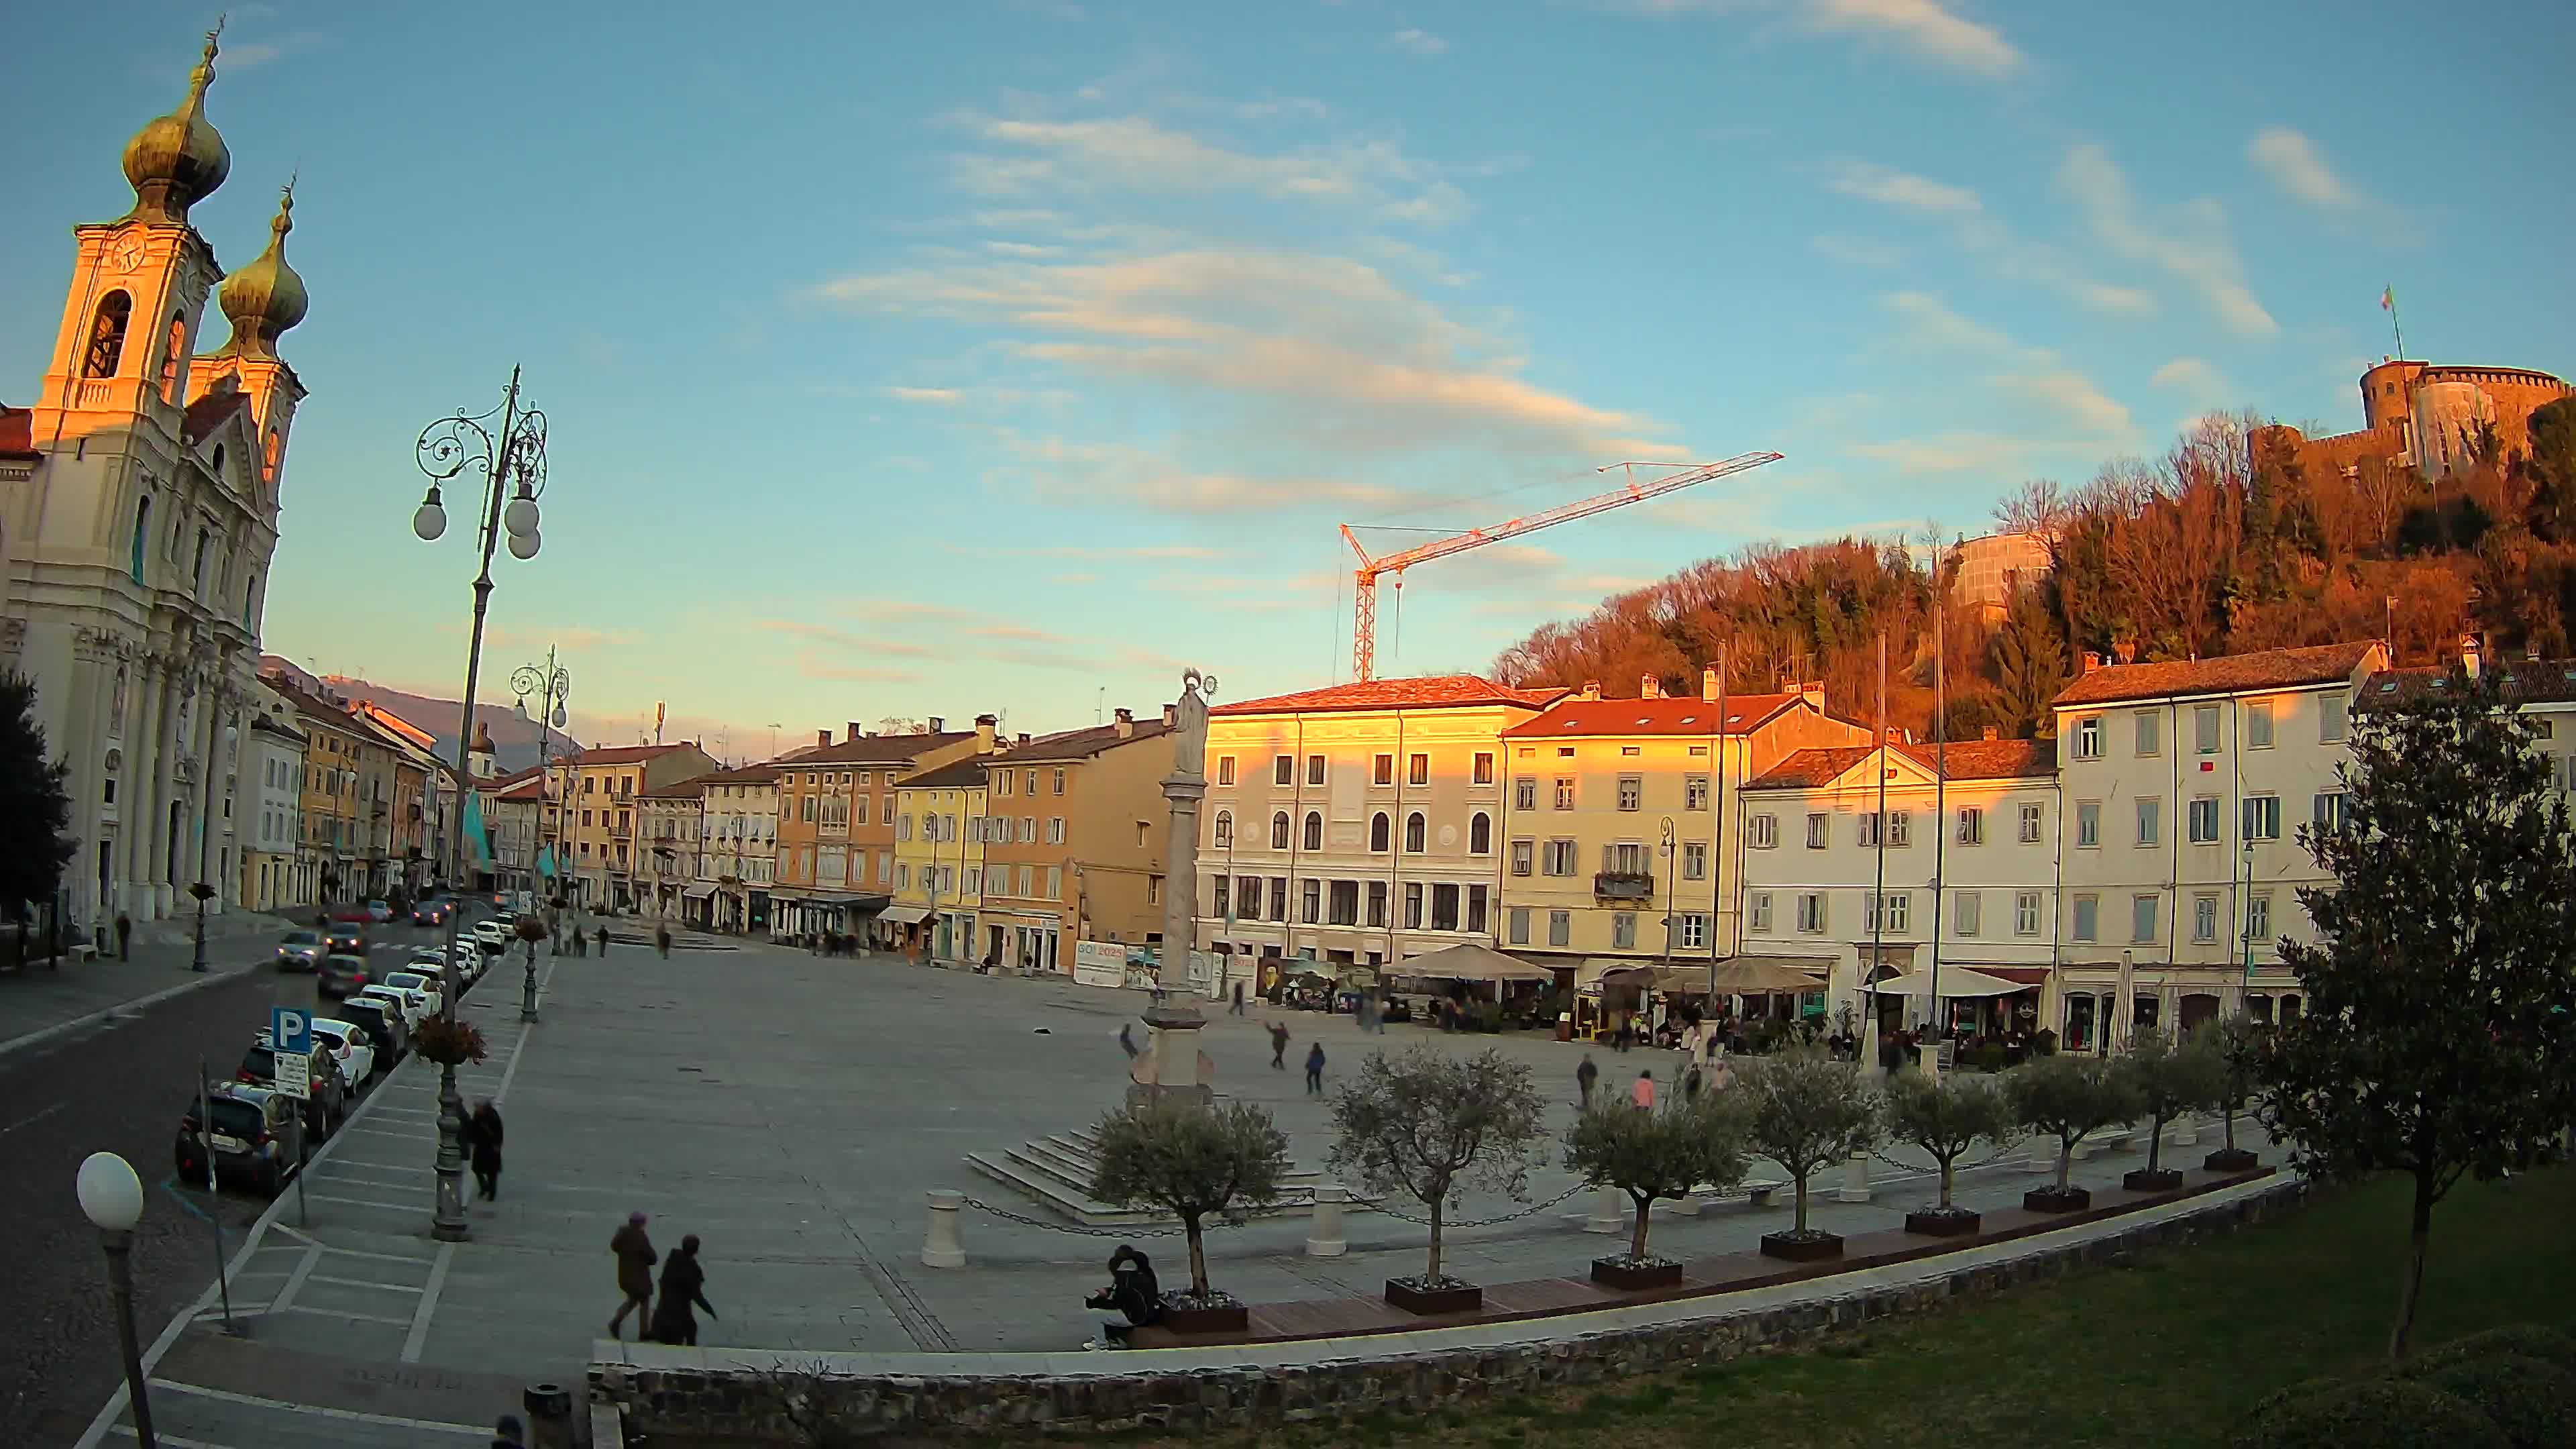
[{"x": 138, "y": 517}]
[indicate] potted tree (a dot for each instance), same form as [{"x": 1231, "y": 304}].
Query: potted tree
[
  {"x": 1191, "y": 1161},
  {"x": 2240, "y": 1042},
  {"x": 1945, "y": 1116},
  {"x": 1651, "y": 1155},
  {"x": 1429, "y": 1125},
  {"x": 2068, "y": 1098},
  {"x": 1804, "y": 1110},
  {"x": 2167, "y": 1078}
]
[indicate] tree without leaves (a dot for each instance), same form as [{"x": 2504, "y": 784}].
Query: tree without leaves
[
  {"x": 35, "y": 811},
  {"x": 2069, "y": 1098},
  {"x": 1429, "y": 1125},
  {"x": 2438, "y": 1040},
  {"x": 1945, "y": 1116},
  {"x": 1189, "y": 1161},
  {"x": 1806, "y": 1110},
  {"x": 1690, "y": 1142},
  {"x": 2168, "y": 1078}
]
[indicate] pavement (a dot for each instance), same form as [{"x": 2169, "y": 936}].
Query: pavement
[
  {"x": 39, "y": 1003},
  {"x": 792, "y": 1110}
]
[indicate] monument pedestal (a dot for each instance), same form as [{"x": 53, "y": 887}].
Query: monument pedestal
[{"x": 1171, "y": 1065}]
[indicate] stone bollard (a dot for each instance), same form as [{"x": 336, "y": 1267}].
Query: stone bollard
[
  {"x": 1324, "y": 1231},
  {"x": 1928, "y": 1056},
  {"x": 549, "y": 1410},
  {"x": 1609, "y": 1212},
  {"x": 1686, "y": 1206},
  {"x": 1855, "y": 1186},
  {"x": 940, "y": 1247},
  {"x": 2186, "y": 1131}
]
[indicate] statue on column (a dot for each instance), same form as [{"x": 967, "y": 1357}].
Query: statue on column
[
  {"x": 1172, "y": 1064},
  {"x": 1190, "y": 725}
]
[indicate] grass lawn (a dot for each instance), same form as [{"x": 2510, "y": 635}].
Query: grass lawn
[{"x": 2169, "y": 1349}]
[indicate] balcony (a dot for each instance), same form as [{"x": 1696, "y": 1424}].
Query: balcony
[
  {"x": 1623, "y": 885},
  {"x": 621, "y": 832}
]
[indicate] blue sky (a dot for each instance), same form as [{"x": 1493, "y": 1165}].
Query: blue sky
[{"x": 931, "y": 359}]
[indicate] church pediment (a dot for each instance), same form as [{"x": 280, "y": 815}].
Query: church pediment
[{"x": 223, "y": 438}]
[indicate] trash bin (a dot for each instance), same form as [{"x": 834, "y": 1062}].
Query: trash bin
[
  {"x": 1565, "y": 1026},
  {"x": 549, "y": 1408}
]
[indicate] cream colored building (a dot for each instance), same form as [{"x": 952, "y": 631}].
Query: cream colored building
[
  {"x": 1357, "y": 824},
  {"x": 595, "y": 838},
  {"x": 2185, "y": 785},
  {"x": 940, "y": 828},
  {"x": 1622, "y": 812},
  {"x": 270, "y": 826},
  {"x": 670, "y": 826},
  {"x": 736, "y": 867}
]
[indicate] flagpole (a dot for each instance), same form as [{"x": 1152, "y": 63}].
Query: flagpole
[{"x": 2388, "y": 300}]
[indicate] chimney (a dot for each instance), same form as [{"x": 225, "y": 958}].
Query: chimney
[
  {"x": 985, "y": 724},
  {"x": 2092, "y": 661},
  {"x": 1171, "y": 715},
  {"x": 1990, "y": 734},
  {"x": 1125, "y": 724},
  {"x": 938, "y": 726},
  {"x": 856, "y": 732},
  {"x": 822, "y": 738},
  {"x": 1024, "y": 737},
  {"x": 2469, "y": 654},
  {"x": 1649, "y": 687},
  {"x": 1591, "y": 689},
  {"x": 1708, "y": 683}
]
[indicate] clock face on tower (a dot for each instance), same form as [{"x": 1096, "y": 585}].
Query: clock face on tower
[{"x": 125, "y": 254}]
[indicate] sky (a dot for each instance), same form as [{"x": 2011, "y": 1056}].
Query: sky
[{"x": 1012, "y": 355}]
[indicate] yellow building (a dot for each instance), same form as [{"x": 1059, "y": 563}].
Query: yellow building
[
  {"x": 595, "y": 839},
  {"x": 1623, "y": 812},
  {"x": 939, "y": 834}
]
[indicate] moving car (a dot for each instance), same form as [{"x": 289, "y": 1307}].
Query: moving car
[
  {"x": 379, "y": 912},
  {"x": 300, "y": 950},
  {"x": 326, "y": 1093},
  {"x": 350, "y": 1044},
  {"x": 433, "y": 994},
  {"x": 245, "y": 1135},
  {"x": 340, "y": 975},
  {"x": 387, "y": 1033},
  {"x": 429, "y": 913},
  {"x": 345, "y": 937}
]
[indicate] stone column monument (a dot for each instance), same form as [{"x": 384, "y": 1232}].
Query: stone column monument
[{"x": 1172, "y": 1064}]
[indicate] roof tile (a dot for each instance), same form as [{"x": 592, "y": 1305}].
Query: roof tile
[
  {"x": 1962, "y": 760},
  {"x": 2226, "y": 674},
  {"x": 17, "y": 432},
  {"x": 208, "y": 413},
  {"x": 1081, "y": 744},
  {"x": 1686, "y": 715},
  {"x": 876, "y": 749},
  {"x": 1434, "y": 691}
]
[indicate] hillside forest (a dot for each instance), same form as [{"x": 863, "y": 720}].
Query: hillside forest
[{"x": 2208, "y": 549}]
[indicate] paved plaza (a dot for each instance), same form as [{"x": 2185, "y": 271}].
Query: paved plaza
[{"x": 791, "y": 1110}]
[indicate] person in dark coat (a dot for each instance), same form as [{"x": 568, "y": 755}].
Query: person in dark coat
[
  {"x": 1315, "y": 1069},
  {"x": 635, "y": 1259},
  {"x": 603, "y": 940},
  {"x": 662, "y": 942},
  {"x": 1132, "y": 1300},
  {"x": 1278, "y": 1047},
  {"x": 683, "y": 1287},
  {"x": 125, "y": 933},
  {"x": 483, "y": 1142},
  {"x": 1585, "y": 1074}
]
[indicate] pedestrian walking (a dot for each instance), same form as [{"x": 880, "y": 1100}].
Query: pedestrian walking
[
  {"x": 662, "y": 941},
  {"x": 635, "y": 1259},
  {"x": 1278, "y": 1047},
  {"x": 1126, "y": 1040},
  {"x": 483, "y": 1143},
  {"x": 603, "y": 938},
  {"x": 683, "y": 1286},
  {"x": 1623, "y": 1034},
  {"x": 1237, "y": 1008},
  {"x": 1691, "y": 1082},
  {"x": 1585, "y": 1074},
  {"x": 1315, "y": 1070},
  {"x": 1643, "y": 1094}
]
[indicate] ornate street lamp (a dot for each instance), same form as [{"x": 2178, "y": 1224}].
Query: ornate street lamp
[
  {"x": 512, "y": 462},
  {"x": 111, "y": 1197},
  {"x": 552, "y": 685}
]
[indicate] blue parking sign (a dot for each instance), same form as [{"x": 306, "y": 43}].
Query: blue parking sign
[{"x": 290, "y": 1030}]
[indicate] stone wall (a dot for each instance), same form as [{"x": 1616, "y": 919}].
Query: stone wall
[{"x": 746, "y": 1404}]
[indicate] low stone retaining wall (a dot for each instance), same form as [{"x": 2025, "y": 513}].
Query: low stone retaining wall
[{"x": 743, "y": 1394}]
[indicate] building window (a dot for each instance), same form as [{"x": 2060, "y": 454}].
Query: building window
[
  {"x": 1484, "y": 771},
  {"x": 1221, "y": 898},
  {"x": 1694, "y": 792},
  {"x": 2150, "y": 734},
  {"x": 1378, "y": 832},
  {"x": 1524, "y": 853},
  {"x": 1889, "y": 912},
  {"x": 1694, "y": 860},
  {"x": 1314, "y": 830},
  {"x": 2204, "y": 729},
  {"x": 2204, "y": 919},
  {"x": 1559, "y": 859},
  {"x": 2151, "y": 821},
  {"x": 2088, "y": 918},
  {"x": 1480, "y": 834},
  {"x": 1225, "y": 769},
  {"x": 1417, "y": 770},
  {"x": 2203, "y": 827},
  {"x": 1279, "y": 831},
  {"x": 2088, "y": 823},
  {"x": 1382, "y": 770},
  {"x": 1225, "y": 830},
  {"x": 107, "y": 335},
  {"x": 2088, "y": 737},
  {"x": 2262, "y": 817},
  {"x": 2333, "y": 708},
  {"x": 2258, "y": 916},
  {"x": 1560, "y": 927},
  {"x": 1524, "y": 793},
  {"x": 1413, "y": 905},
  {"x": 1314, "y": 769},
  {"x": 1758, "y": 909},
  {"x": 1059, "y": 781},
  {"x": 1283, "y": 770},
  {"x": 2034, "y": 821},
  {"x": 1475, "y": 908},
  {"x": 1762, "y": 831},
  {"x": 2026, "y": 913},
  {"x": 1414, "y": 832},
  {"x": 1969, "y": 912},
  {"x": 1247, "y": 893},
  {"x": 1623, "y": 930},
  {"x": 1632, "y": 792},
  {"x": 1819, "y": 830},
  {"x": 1518, "y": 917},
  {"x": 1564, "y": 792},
  {"x": 2142, "y": 918},
  {"x": 1377, "y": 903},
  {"x": 1314, "y": 903},
  {"x": 1900, "y": 827},
  {"x": 1869, "y": 832},
  {"x": 1811, "y": 912},
  {"x": 142, "y": 531},
  {"x": 1345, "y": 903},
  {"x": 2333, "y": 811}
]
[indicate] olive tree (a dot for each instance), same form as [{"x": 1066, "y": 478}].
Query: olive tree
[
  {"x": 1804, "y": 1110},
  {"x": 2069, "y": 1098},
  {"x": 1429, "y": 1125},
  {"x": 1691, "y": 1142},
  {"x": 1189, "y": 1161},
  {"x": 2241, "y": 1043},
  {"x": 1947, "y": 1115},
  {"x": 2168, "y": 1077}
]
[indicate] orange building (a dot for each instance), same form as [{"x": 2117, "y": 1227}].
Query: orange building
[
  {"x": 1074, "y": 835},
  {"x": 836, "y": 809}
]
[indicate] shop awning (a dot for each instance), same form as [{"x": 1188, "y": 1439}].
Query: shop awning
[
  {"x": 699, "y": 892},
  {"x": 1468, "y": 961},
  {"x": 1614, "y": 971},
  {"x": 904, "y": 915},
  {"x": 1956, "y": 981},
  {"x": 1765, "y": 975}
]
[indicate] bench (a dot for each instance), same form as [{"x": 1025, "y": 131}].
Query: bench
[{"x": 1756, "y": 1191}]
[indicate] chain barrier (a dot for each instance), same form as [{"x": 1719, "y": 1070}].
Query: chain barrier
[
  {"x": 1446, "y": 1225},
  {"x": 1225, "y": 1220}
]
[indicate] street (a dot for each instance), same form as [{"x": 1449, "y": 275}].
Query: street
[{"x": 119, "y": 1087}]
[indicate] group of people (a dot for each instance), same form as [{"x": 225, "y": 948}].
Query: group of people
[
  {"x": 831, "y": 943},
  {"x": 665, "y": 1316}
]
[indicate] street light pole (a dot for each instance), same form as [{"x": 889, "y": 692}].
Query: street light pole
[
  {"x": 447, "y": 449},
  {"x": 111, "y": 1197},
  {"x": 201, "y": 889},
  {"x": 552, "y": 685}
]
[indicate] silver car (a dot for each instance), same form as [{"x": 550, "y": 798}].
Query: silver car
[{"x": 300, "y": 951}]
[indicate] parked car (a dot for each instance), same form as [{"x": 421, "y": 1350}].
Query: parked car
[
  {"x": 300, "y": 950},
  {"x": 340, "y": 975},
  {"x": 345, "y": 938},
  {"x": 326, "y": 1093},
  {"x": 349, "y": 1043},
  {"x": 493, "y": 935},
  {"x": 245, "y": 1139},
  {"x": 379, "y": 912},
  {"x": 433, "y": 994},
  {"x": 412, "y": 1004},
  {"x": 387, "y": 1032}
]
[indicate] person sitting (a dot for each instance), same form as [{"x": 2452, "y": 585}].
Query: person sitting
[{"x": 1132, "y": 1300}]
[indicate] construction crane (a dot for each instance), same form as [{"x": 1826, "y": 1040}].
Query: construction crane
[{"x": 1370, "y": 570}]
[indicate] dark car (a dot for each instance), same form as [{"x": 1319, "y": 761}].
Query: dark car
[
  {"x": 248, "y": 1133},
  {"x": 326, "y": 1094},
  {"x": 430, "y": 913},
  {"x": 341, "y": 975},
  {"x": 346, "y": 938},
  {"x": 384, "y": 1029}
]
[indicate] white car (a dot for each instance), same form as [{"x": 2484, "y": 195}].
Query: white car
[
  {"x": 413, "y": 1005},
  {"x": 431, "y": 961},
  {"x": 433, "y": 992},
  {"x": 349, "y": 1043},
  {"x": 493, "y": 934}
]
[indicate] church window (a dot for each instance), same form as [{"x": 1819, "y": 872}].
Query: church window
[
  {"x": 269, "y": 468},
  {"x": 107, "y": 335},
  {"x": 142, "y": 531},
  {"x": 250, "y": 598},
  {"x": 170, "y": 361},
  {"x": 197, "y": 576}
]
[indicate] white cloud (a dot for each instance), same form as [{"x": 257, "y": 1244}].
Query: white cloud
[
  {"x": 2188, "y": 374},
  {"x": 1420, "y": 42},
  {"x": 1137, "y": 153},
  {"x": 1979, "y": 232},
  {"x": 943, "y": 396},
  {"x": 1925, "y": 27},
  {"x": 1856, "y": 250},
  {"x": 2072, "y": 396},
  {"x": 1907, "y": 192},
  {"x": 1952, "y": 452},
  {"x": 2036, "y": 376},
  {"x": 2189, "y": 241},
  {"x": 2298, "y": 166}
]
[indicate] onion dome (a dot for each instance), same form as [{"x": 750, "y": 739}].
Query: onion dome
[
  {"x": 178, "y": 159},
  {"x": 266, "y": 297}
]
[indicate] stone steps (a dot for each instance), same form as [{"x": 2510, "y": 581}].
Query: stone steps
[{"x": 1056, "y": 1171}]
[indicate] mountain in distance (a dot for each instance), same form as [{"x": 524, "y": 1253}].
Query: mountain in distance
[{"x": 514, "y": 740}]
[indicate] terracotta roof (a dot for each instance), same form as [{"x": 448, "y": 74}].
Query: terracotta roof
[
  {"x": 263, "y": 722},
  {"x": 17, "y": 433},
  {"x": 1571, "y": 718},
  {"x": 1966, "y": 760},
  {"x": 531, "y": 789},
  {"x": 692, "y": 788},
  {"x": 623, "y": 754},
  {"x": 747, "y": 775},
  {"x": 966, "y": 774},
  {"x": 1434, "y": 691},
  {"x": 2528, "y": 681},
  {"x": 2226, "y": 674},
  {"x": 513, "y": 778},
  {"x": 1079, "y": 744},
  {"x": 876, "y": 749},
  {"x": 208, "y": 413}
]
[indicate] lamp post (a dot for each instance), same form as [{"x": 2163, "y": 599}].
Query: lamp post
[
  {"x": 205, "y": 832},
  {"x": 552, "y": 685},
  {"x": 1672, "y": 875},
  {"x": 515, "y": 457},
  {"x": 111, "y": 1197}
]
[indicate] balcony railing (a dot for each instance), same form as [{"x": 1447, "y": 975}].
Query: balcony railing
[{"x": 1623, "y": 885}]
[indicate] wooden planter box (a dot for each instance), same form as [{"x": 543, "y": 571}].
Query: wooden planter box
[
  {"x": 2231, "y": 1159},
  {"x": 2163, "y": 1179},
  {"x": 1465, "y": 1299},
  {"x": 1802, "y": 1250},
  {"x": 1933, "y": 1223},
  {"x": 1234, "y": 1318},
  {"x": 2050, "y": 1200},
  {"x": 1613, "y": 1273}
]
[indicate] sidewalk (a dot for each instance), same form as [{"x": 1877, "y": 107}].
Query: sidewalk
[{"x": 41, "y": 1003}]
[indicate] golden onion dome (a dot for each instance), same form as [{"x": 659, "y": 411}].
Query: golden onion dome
[
  {"x": 178, "y": 159},
  {"x": 266, "y": 297}
]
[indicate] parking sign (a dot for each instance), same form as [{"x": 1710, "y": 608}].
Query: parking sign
[{"x": 290, "y": 1036}]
